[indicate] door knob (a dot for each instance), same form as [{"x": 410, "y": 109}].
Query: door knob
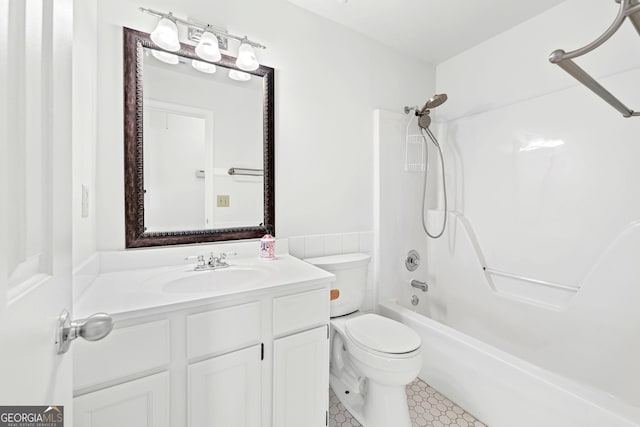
[{"x": 93, "y": 328}]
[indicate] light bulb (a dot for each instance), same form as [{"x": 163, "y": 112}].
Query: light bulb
[
  {"x": 239, "y": 75},
  {"x": 166, "y": 57},
  {"x": 204, "y": 67},
  {"x": 207, "y": 48},
  {"x": 166, "y": 35},
  {"x": 247, "y": 58}
]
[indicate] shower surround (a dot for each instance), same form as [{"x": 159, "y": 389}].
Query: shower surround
[{"x": 539, "y": 260}]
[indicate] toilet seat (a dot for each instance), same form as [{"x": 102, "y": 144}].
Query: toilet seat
[{"x": 381, "y": 335}]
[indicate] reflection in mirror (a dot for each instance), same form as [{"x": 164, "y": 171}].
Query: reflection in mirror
[
  {"x": 199, "y": 147},
  {"x": 197, "y": 126}
]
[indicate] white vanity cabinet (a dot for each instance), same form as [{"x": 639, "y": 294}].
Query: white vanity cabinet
[{"x": 239, "y": 361}]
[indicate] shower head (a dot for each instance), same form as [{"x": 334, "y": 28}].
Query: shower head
[{"x": 436, "y": 101}]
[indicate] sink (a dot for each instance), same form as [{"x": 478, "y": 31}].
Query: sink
[{"x": 211, "y": 280}]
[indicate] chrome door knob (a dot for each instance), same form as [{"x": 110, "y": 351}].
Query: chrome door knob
[{"x": 93, "y": 328}]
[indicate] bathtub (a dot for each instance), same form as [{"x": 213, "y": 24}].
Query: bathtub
[{"x": 502, "y": 390}]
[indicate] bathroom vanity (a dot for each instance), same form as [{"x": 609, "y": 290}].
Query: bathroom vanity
[{"x": 241, "y": 346}]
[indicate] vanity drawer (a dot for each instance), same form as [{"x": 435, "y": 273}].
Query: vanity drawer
[
  {"x": 124, "y": 353},
  {"x": 222, "y": 330},
  {"x": 297, "y": 312}
]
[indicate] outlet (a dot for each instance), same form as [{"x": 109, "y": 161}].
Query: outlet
[{"x": 222, "y": 201}]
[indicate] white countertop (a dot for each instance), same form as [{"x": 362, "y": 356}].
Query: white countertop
[{"x": 160, "y": 288}]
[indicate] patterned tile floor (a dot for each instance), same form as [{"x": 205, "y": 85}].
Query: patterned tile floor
[{"x": 427, "y": 408}]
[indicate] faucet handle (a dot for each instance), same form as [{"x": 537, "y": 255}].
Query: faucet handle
[{"x": 199, "y": 258}]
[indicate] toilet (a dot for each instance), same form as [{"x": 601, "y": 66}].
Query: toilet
[{"x": 373, "y": 357}]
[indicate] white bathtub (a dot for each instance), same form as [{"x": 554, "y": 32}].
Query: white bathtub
[{"x": 502, "y": 390}]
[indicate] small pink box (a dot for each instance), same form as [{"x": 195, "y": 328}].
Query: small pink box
[{"x": 267, "y": 247}]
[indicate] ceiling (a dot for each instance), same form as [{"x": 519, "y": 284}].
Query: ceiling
[{"x": 433, "y": 30}]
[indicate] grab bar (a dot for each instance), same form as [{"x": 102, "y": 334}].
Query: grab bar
[
  {"x": 245, "y": 171},
  {"x": 528, "y": 279},
  {"x": 628, "y": 8}
]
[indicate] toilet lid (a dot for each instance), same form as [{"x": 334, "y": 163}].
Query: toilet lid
[{"x": 382, "y": 334}]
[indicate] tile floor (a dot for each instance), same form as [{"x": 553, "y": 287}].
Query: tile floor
[{"x": 427, "y": 408}]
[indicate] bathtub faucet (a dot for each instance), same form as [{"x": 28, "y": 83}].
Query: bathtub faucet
[{"x": 423, "y": 286}]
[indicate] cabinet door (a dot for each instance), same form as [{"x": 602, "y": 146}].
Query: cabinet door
[
  {"x": 139, "y": 403},
  {"x": 301, "y": 379},
  {"x": 225, "y": 391}
]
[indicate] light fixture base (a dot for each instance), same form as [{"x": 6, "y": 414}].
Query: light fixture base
[{"x": 194, "y": 34}]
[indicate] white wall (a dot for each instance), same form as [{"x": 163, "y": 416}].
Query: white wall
[
  {"x": 85, "y": 62},
  {"x": 328, "y": 82},
  {"x": 542, "y": 178}
]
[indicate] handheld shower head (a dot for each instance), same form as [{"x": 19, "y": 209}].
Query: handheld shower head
[{"x": 425, "y": 120}]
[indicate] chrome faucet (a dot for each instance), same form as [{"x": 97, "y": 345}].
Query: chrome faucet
[
  {"x": 214, "y": 262},
  {"x": 423, "y": 286}
]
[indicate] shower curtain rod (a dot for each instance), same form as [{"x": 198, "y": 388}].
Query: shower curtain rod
[{"x": 628, "y": 9}]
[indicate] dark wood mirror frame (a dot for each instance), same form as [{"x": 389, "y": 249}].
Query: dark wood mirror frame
[{"x": 136, "y": 236}]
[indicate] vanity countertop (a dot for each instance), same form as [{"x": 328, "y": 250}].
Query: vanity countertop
[{"x": 149, "y": 290}]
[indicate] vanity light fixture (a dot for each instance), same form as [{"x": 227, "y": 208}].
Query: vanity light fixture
[
  {"x": 239, "y": 76},
  {"x": 247, "y": 57},
  {"x": 209, "y": 39},
  {"x": 166, "y": 34},
  {"x": 208, "y": 48},
  {"x": 166, "y": 57},
  {"x": 203, "y": 67}
]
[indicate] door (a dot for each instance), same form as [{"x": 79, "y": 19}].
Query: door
[
  {"x": 225, "y": 390},
  {"x": 180, "y": 139},
  {"x": 35, "y": 200},
  {"x": 138, "y": 403},
  {"x": 301, "y": 379}
]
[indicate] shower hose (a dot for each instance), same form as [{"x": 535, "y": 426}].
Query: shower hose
[{"x": 424, "y": 189}]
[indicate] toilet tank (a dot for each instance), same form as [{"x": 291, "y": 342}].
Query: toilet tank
[{"x": 349, "y": 289}]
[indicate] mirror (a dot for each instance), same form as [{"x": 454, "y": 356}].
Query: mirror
[{"x": 199, "y": 147}]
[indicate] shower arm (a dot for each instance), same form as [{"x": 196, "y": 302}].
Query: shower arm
[
  {"x": 628, "y": 8},
  {"x": 407, "y": 109}
]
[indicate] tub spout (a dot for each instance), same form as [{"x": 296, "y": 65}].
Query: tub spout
[{"x": 423, "y": 286}]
